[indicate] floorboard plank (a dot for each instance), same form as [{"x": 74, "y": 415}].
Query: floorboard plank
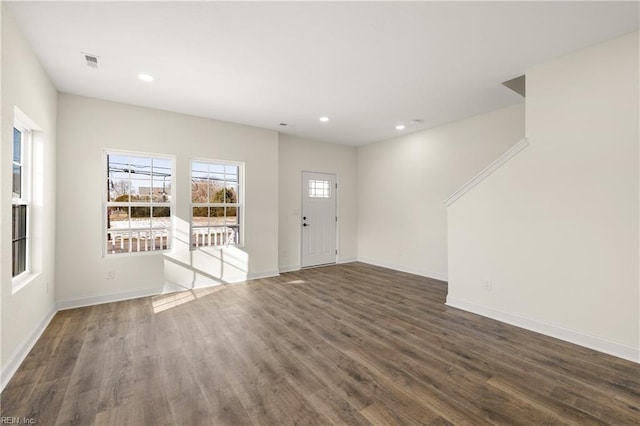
[{"x": 347, "y": 344}]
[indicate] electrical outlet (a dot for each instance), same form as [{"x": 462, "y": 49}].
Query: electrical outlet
[
  {"x": 111, "y": 274},
  {"x": 487, "y": 285}
]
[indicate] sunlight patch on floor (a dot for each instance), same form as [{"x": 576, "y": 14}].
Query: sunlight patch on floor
[
  {"x": 171, "y": 300},
  {"x": 168, "y": 301}
]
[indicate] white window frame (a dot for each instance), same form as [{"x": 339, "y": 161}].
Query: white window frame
[
  {"x": 25, "y": 195},
  {"x": 239, "y": 205},
  {"x": 106, "y": 204}
]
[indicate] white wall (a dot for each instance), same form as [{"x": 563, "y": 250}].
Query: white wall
[
  {"x": 297, "y": 155},
  {"x": 556, "y": 228},
  {"x": 88, "y": 126},
  {"x": 26, "y": 86},
  {"x": 403, "y": 182}
]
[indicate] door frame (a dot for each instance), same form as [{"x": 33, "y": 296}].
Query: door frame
[{"x": 302, "y": 195}]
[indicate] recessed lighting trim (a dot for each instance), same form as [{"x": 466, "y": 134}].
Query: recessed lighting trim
[
  {"x": 400, "y": 127},
  {"x": 324, "y": 119},
  {"x": 146, "y": 77}
]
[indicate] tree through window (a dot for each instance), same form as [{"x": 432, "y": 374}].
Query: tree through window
[
  {"x": 215, "y": 203},
  {"x": 139, "y": 203}
]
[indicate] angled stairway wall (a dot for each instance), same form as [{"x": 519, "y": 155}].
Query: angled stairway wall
[{"x": 549, "y": 241}]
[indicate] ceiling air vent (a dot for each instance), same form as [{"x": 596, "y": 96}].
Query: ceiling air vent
[{"x": 92, "y": 61}]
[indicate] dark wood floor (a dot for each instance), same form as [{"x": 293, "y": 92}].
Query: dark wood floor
[{"x": 348, "y": 344}]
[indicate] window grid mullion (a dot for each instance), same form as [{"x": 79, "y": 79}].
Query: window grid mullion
[
  {"x": 145, "y": 232},
  {"x": 212, "y": 181}
]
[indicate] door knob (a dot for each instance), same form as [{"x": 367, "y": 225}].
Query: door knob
[
  {"x": 304, "y": 218},
  {"x": 304, "y": 224}
]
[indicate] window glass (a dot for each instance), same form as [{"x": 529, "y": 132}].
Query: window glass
[
  {"x": 319, "y": 189},
  {"x": 20, "y": 203},
  {"x": 19, "y": 239},
  {"x": 138, "y": 208},
  {"x": 17, "y": 163},
  {"x": 216, "y": 203}
]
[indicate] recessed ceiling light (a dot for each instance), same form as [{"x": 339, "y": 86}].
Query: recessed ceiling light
[
  {"x": 145, "y": 77},
  {"x": 324, "y": 119},
  {"x": 400, "y": 127}
]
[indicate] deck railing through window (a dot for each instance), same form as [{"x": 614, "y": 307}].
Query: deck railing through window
[
  {"x": 214, "y": 236},
  {"x": 133, "y": 241},
  {"x": 145, "y": 240}
]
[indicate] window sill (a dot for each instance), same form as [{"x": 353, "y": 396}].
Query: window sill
[
  {"x": 22, "y": 280},
  {"x": 136, "y": 253},
  {"x": 218, "y": 248}
]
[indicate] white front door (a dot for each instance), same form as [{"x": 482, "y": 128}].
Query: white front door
[{"x": 318, "y": 218}]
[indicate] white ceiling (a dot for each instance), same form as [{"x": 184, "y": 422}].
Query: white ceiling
[{"x": 367, "y": 66}]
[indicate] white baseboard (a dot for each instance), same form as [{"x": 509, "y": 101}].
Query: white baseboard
[
  {"x": 23, "y": 350},
  {"x": 289, "y": 268},
  {"x": 106, "y": 298},
  {"x": 297, "y": 267},
  {"x": 592, "y": 342},
  {"x": 135, "y": 294},
  {"x": 407, "y": 269},
  {"x": 266, "y": 274}
]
